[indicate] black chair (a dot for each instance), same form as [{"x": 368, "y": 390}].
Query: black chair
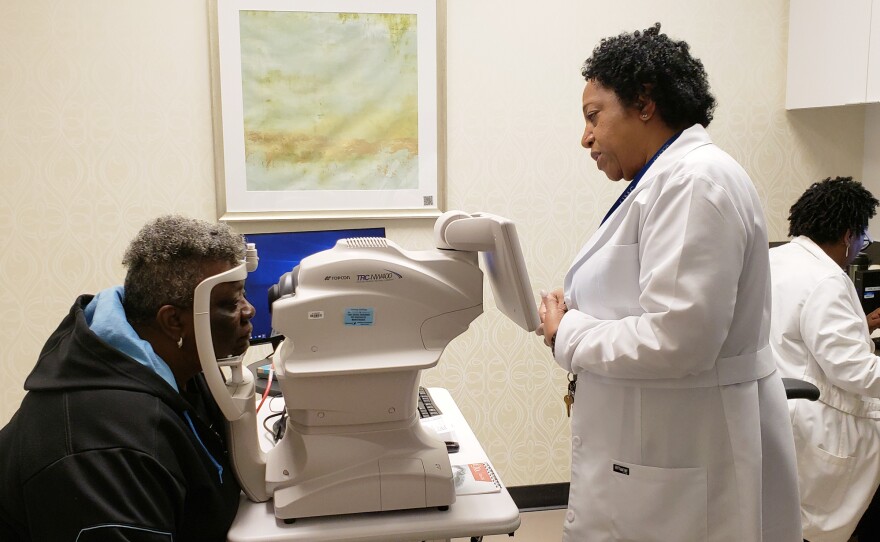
[{"x": 799, "y": 389}]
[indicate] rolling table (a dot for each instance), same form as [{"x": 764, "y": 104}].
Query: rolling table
[{"x": 468, "y": 516}]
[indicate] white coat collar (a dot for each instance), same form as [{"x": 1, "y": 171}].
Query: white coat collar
[
  {"x": 692, "y": 138},
  {"x": 816, "y": 251}
]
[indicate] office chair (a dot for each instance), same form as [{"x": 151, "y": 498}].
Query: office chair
[{"x": 799, "y": 389}]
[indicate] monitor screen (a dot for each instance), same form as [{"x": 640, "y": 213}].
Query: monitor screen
[
  {"x": 509, "y": 278},
  {"x": 496, "y": 239},
  {"x": 279, "y": 253}
]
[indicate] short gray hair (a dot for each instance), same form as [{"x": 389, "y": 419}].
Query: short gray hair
[{"x": 166, "y": 259}]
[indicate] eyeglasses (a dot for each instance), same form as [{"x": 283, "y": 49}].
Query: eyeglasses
[{"x": 866, "y": 241}]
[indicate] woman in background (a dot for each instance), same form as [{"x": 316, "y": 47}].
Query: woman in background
[
  {"x": 680, "y": 429},
  {"x": 819, "y": 333}
]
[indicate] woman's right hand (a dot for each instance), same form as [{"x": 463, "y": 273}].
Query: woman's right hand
[
  {"x": 874, "y": 320},
  {"x": 551, "y": 310}
]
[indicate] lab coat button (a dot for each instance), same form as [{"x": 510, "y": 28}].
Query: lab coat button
[
  {"x": 569, "y": 516},
  {"x": 576, "y": 441}
]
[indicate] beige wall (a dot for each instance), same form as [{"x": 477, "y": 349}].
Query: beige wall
[{"x": 105, "y": 122}]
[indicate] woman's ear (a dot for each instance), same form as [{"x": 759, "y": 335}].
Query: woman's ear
[
  {"x": 174, "y": 322},
  {"x": 647, "y": 108},
  {"x": 646, "y": 105}
]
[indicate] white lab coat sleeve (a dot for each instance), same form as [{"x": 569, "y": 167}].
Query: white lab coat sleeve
[
  {"x": 692, "y": 243},
  {"x": 837, "y": 338}
]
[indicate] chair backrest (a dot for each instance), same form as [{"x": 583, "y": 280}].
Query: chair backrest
[{"x": 800, "y": 389}]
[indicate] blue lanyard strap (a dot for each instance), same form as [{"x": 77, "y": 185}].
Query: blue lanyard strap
[{"x": 638, "y": 177}]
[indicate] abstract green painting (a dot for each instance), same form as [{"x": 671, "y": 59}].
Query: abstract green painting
[
  {"x": 330, "y": 100},
  {"x": 326, "y": 108}
]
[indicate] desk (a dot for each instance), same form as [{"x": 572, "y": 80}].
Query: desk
[{"x": 469, "y": 515}]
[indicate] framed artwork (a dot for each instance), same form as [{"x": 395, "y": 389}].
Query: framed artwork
[{"x": 326, "y": 109}]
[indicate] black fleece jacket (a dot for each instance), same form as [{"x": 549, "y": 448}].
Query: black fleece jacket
[{"x": 103, "y": 449}]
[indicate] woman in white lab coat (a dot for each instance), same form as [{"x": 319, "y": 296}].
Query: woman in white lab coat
[
  {"x": 680, "y": 429},
  {"x": 819, "y": 334}
]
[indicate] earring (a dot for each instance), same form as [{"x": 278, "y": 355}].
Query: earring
[
  {"x": 180, "y": 342},
  {"x": 645, "y": 116}
]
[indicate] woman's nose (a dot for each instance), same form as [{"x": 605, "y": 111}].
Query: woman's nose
[
  {"x": 249, "y": 311},
  {"x": 587, "y": 139}
]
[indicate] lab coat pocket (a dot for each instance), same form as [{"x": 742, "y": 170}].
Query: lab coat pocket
[
  {"x": 617, "y": 284},
  {"x": 824, "y": 479},
  {"x": 651, "y": 504}
]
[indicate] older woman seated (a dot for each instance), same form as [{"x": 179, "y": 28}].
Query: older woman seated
[{"x": 118, "y": 437}]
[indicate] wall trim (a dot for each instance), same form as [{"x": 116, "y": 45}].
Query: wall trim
[{"x": 540, "y": 496}]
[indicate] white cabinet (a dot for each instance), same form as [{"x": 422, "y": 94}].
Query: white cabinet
[
  {"x": 833, "y": 53},
  {"x": 873, "y": 94}
]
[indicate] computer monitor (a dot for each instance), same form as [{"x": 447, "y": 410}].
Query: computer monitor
[
  {"x": 279, "y": 253},
  {"x": 867, "y": 283}
]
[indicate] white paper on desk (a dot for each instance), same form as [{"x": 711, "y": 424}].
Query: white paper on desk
[
  {"x": 441, "y": 426},
  {"x": 475, "y": 478}
]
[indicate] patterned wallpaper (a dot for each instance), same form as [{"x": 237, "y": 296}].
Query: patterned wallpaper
[{"x": 105, "y": 122}]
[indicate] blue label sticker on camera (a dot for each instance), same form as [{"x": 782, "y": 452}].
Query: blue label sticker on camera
[{"x": 358, "y": 317}]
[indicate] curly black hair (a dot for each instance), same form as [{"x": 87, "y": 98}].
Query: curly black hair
[
  {"x": 831, "y": 207},
  {"x": 648, "y": 64},
  {"x": 165, "y": 262}
]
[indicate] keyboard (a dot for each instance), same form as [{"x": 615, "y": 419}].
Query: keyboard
[{"x": 427, "y": 408}]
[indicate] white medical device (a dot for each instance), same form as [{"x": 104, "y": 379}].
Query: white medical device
[{"x": 361, "y": 321}]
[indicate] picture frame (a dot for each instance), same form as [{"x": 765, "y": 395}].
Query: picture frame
[{"x": 327, "y": 109}]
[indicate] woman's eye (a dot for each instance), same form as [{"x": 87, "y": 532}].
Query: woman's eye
[{"x": 233, "y": 303}]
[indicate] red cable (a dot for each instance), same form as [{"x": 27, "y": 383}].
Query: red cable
[{"x": 268, "y": 386}]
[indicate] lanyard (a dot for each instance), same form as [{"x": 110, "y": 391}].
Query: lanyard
[{"x": 638, "y": 177}]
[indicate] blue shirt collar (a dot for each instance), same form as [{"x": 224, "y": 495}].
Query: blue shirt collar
[{"x": 106, "y": 318}]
